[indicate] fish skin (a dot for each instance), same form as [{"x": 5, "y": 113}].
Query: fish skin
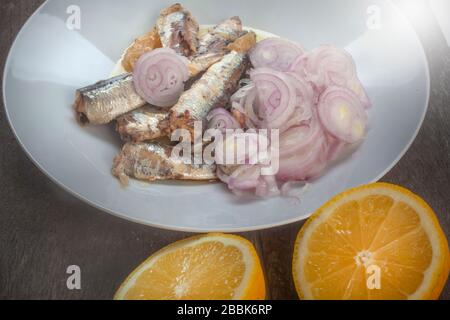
[
  {"x": 143, "y": 124},
  {"x": 221, "y": 35},
  {"x": 106, "y": 100},
  {"x": 153, "y": 162},
  {"x": 178, "y": 30},
  {"x": 213, "y": 44},
  {"x": 214, "y": 87}
]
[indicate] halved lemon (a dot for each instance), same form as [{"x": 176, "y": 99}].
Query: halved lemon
[
  {"x": 378, "y": 241},
  {"x": 208, "y": 267}
]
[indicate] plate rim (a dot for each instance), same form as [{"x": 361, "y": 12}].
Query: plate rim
[{"x": 192, "y": 229}]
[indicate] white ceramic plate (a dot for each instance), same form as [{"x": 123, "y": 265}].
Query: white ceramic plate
[{"x": 48, "y": 62}]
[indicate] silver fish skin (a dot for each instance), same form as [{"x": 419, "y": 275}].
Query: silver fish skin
[
  {"x": 211, "y": 90},
  {"x": 213, "y": 44},
  {"x": 143, "y": 124},
  {"x": 214, "y": 87},
  {"x": 221, "y": 35},
  {"x": 106, "y": 100},
  {"x": 178, "y": 30},
  {"x": 153, "y": 162}
]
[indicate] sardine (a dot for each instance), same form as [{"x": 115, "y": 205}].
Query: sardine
[
  {"x": 214, "y": 87},
  {"x": 106, "y": 100},
  {"x": 178, "y": 30},
  {"x": 221, "y": 35},
  {"x": 154, "y": 161},
  {"x": 143, "y": 124},
  {"x": 213, "y": 44},
  {"x": 149, "y": 123}
]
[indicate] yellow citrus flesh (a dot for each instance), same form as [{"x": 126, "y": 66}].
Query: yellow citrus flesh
[
  {"x": 378, "y": 241},
  {"x": 209, "y": 267}
]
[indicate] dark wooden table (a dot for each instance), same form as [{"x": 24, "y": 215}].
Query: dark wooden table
[{"x": 43, "y": 229}]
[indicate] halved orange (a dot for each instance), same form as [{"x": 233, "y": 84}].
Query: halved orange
[
  {"x": 378, "y": 241},
  {"x": 208, "y": 267}
]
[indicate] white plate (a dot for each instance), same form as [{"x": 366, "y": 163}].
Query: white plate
[{"x": 48, "y": 62}]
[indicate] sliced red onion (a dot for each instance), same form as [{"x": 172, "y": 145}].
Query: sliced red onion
[
  {"x": 300, "y": 117},
  {"x": 303, "y": 89},
  {"x": 299, "y": 138},
  {"x": 276, "y": 97},
  {"x": 244, "y": 101},
  {"x": 317, "y": 103},
  {"x": 342, "y": 114},
  {"x": 356, "y": 86},
  {"x": 305, "y": 102},
  {"x": 330, "y": 66},
  {"x": 249, "y": 106},
  {"x": 159, "y": 76},
  {"x": 306, "y": 164},
  {"x": 242, "y": 148},
  {"x": 335, "y": 148},
  {"x": 245, "y": 177},
  {"x": 275, "y": 53},
  {"x": 267, "y": 187},
  {"x": 288, "y": 187},
  {"x": 247, "y": 180},
  {"x": 325, "y": 66},
  {"x": 221, "y": 119}
]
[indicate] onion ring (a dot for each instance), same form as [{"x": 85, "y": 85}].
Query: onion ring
[
  {"x": 159, "y": 76},
  {"x": 275, "y": 53},
  {"x": 342, "y": 114}
]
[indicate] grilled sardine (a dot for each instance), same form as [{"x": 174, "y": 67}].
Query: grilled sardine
[
  {"x": 214, "y": 87},
  {"x": 154, "y": 161},
  {"x": 178, "y": 30},
  {"x": 142, "y": 124},
  {"x": 221, "y": 35},
  {"x": 106, "y": 100},
  {"x": 149, "y": 123},
  {"x": 213, "y": 44}
]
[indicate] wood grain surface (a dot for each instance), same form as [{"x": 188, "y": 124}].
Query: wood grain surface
[{"x": 43, "y": 229}]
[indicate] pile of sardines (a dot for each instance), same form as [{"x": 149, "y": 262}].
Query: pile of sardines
[{"x": 218, "y": 60}]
